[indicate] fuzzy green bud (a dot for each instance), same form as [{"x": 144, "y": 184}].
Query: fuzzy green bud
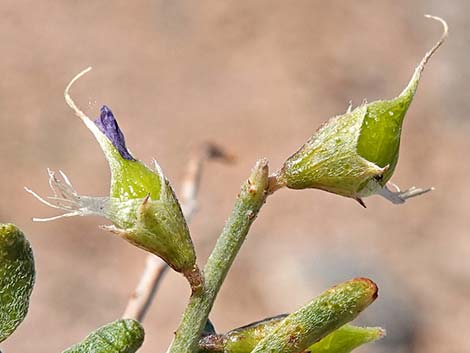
[
  {"x": 17, "y": 275},
  {"x": 121, "y": 336},
  {"x": 355, "y": 154}
]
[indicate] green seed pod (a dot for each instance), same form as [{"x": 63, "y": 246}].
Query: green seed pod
[
  {"x": 17, "y": 276},
  {"x": 244, "y": 339},
  {"x": 121, "y": 336},
  {"x": 355, "y": 154},
  {"x": 142, "y": 205},
  {"x": 326, "y": 313}
]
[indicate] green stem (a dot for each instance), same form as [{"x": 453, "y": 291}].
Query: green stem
[{"x": 252, "y": 196}]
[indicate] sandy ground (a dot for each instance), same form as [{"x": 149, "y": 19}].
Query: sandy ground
[{"x": 257, "y": 77}]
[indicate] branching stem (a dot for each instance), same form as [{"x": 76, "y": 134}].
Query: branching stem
[{"x": 250, "y": 200}]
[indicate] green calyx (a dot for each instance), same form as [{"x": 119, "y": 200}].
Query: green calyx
[
  {"x": 356, "y": 153},
  {"x": 17, "y": 275},
  {"x": 142, "y": 205},
  {"x": 156, "y": 226},
  {"x": 145, "y": 211},
  {"x": 121, "y": 336},
  {"x": 329, "y": 160}
]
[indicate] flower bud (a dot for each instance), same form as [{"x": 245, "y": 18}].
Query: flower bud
[
  {"x": 142, "y": 205},
  {"x": 355, "y": 154}
]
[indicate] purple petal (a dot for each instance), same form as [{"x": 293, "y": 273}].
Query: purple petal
[{"x": 109, "y": 126}]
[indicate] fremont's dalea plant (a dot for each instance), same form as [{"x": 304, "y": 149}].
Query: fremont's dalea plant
[{"x": 353, "y": 155}]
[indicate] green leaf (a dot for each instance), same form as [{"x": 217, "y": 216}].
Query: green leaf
[
  {"x": 346, "y": 338},
  {"x": 17, "y": 275},
  {"x": 121, "y": 336},
  {"x": 326, "y": 313},
  {"x": 244, "y": 339}
]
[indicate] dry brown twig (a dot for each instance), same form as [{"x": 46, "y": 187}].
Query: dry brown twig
[{"x": 155, "y": 268}]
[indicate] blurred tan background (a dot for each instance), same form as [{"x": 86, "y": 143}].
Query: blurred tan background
[{"x": 258, "y": 77}]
